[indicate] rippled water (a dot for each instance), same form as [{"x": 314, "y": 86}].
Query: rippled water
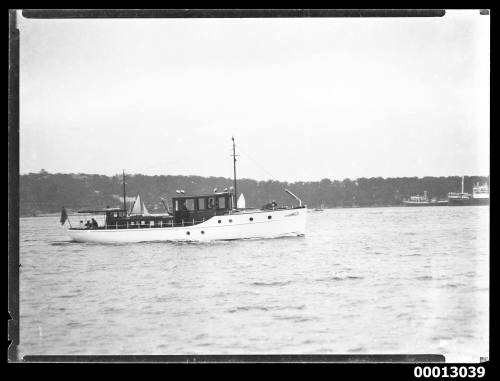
[{"x": 377, "y": 280}]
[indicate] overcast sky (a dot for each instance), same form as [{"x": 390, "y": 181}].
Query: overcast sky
[{"x": 305, "y": 98}]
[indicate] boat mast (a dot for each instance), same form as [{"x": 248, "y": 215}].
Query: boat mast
[
  {"x": 124, "y": 195},
  {"x": 234, "y": 166}
]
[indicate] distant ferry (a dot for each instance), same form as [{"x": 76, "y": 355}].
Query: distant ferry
[
  {"x": 480, "y": 196},
  {"x": 205, "y": 217},
  {"x": 424, "y": 201}
]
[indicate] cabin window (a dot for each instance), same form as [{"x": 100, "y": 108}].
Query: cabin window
[
  {"x": 115, "y": 214},
  {"x": 190, "y": 204},
  {"x": 143, "y": 222},
  {"x": 222, "y": 203},
  {"x": 211, "y": 202},
  {"x": 187, "y": 204},
  {"x": 201, "y": 204},
  {"x": 151, "y": 223}
]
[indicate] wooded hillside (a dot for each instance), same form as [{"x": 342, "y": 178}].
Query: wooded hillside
[{"x": 46, "y": 193}]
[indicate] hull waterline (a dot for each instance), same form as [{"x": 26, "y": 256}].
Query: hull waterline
[{"x": 422, "y": 204}]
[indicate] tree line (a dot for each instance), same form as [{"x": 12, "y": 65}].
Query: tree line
[{"x": 44, "y": 192}]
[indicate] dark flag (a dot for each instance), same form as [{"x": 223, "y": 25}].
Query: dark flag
[{"x": 64, "y": 216}]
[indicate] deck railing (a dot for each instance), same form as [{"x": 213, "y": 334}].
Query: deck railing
[{"x": 156, "y": 225}]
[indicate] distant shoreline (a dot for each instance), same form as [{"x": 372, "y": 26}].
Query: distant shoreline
[
  {"x": 73, "y": 213},
  {"x": 310, "y": 209},
  {"x": 43, "y": 194}
]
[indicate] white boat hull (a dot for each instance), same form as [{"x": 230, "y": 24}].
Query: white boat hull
[{"x": 287, "y": 222}]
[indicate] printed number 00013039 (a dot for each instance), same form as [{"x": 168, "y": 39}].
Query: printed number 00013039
[{"x": 451, "y": 372}]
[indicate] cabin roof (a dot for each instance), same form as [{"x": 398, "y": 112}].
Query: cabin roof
[{"x": 183, "y": 197}]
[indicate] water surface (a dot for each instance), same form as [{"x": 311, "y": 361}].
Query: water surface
[{"x": 374, "y": 280}]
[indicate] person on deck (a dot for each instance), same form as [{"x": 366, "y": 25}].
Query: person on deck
[
  {"x": 82, "y": 226},
  {"x": 269, "y": 205},
  {"x": 95, "y": 225},
  {"x": 211, "y": 203},
  {"x": 88, "y": 225}
]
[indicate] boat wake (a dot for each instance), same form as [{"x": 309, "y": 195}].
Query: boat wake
[
  {"x": 338, "y": 276},
  {"x": 266, "y": 308}
]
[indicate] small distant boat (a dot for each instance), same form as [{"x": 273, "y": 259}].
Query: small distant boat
[
  {"x": 320, "y": 209},
  {"x": 424, "y": 201},
  {"x": 241, "y": 202},
  {"x": 138, "y": 208},
  {"x": 480, "y": 196}
]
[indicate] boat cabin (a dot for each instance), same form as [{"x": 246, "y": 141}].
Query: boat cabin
[
  {"x": 110, "y": 213},
  {"x": 200, "y": 208},
  {"x": 188, "y": 210},
  {"x": 119, "y": 219}
]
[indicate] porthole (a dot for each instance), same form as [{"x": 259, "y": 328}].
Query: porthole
[
  {"x": 269, "y": 217},
  {"x": 230, "y": 220},
  {"x": 202, "y": 232},
  {"x": 251, "y": 218},
  {"x": 188, "y": 233},
  {"x": 219, "y": 221}
]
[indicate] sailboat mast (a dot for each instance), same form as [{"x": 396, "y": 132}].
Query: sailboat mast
[
  {"x": 234, "y": 167},
  {"x": 124, "y": 195}
]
